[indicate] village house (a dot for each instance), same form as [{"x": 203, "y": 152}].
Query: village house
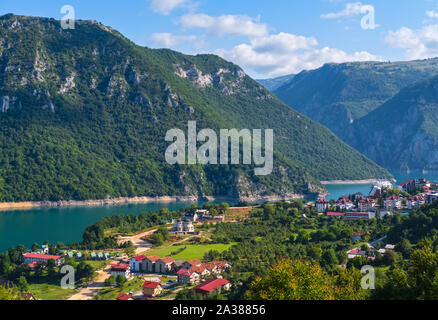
[
  {"x": 344, "y": 204},
  {"x": 152, "y": 289},
  {"x": 322, "y": 205},
  {"x": 221, "y": 265},
  {"x": 120, "y": 269},
  {"x": 164, "y": 265},
  {"x": 415, "y": 202},
  {"x": 44, "y": 258},
  {"x": 393, "y": 203},
  {"x": 407, "y": 185},
  {"x": 187, "y": 276},
  {"x": 136, "y": 263},
  {"x": 367, "y": 204},
  {"x": 177, "y": 265},
  {"x": 212, "y": 285},
  {"x": 191, "y": 263},
  {"x": 201, "y": 270},
  {"x": 211, "y": 267},
  {"x": 148, "y": 264}
]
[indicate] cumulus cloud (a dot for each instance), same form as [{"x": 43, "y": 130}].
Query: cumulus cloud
[
  {"x": 239, "y": 25},
  {"x": 167, "y": 6},
  {"x": 168, "y": 40},
  {"x": 285, "y": 53},
  {"x": 350, "y": 10},
  {"x": 418, "y": 44}
]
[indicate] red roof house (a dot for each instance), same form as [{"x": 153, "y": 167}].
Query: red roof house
[{"x": 212, "y": 285}]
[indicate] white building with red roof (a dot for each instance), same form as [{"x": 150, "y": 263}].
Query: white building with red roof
[
  {"x": 136, "y": 263},
  {"x": 393, "y": 203},
  {"x": 120, "y": 269},
  {"x": 344, "y": 204},
  {"x": 322, "y": 205},
  {"x": 30, "y": 258},
  {"x": 415, "y": 202},
  {"x": 188, "y": 276},
  {"x": 367, "y": 204}
]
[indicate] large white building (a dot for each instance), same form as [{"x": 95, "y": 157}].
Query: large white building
[
  {"x": 322, "y": 205},
  {"x": 393, "y": 203},
  {"x": 415, "y": 202}
]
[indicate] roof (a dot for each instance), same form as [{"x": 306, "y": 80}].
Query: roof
[
  {"x": 140, "y": 258},
  {"x": 416, "y": 198},
  {"x": 153, "y": 258},
  {"x": 151, "y": 284},
  {"x": 407, "y": 182},
  {"x": 185, "y": 272},
  {"x": 167, "y": 260},
  {"x": 119, "y": 267},
  {"x": 393, "y": 197},
  {"x": 41, "y": 256},
  {"x": 211, "y": 285},
  {"x": 335, "y": 214},
  {"x": 353, "y": 252},
  {"x": 194, "y": 262},
  {"x": 323, "y": 200},
  {"x": 124, "y": 296},
  {"x": 198, "y": 269}
]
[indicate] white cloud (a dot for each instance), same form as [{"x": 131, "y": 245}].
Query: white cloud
[
  {"x": 168, "y": 40},
  {"x": 432, "y": 14},
  {"x": 284, "y": 53},
  {"x": 418, "y": 44},
  {"x": 350, "y": 10},
  {"x": 167, "y": 6},
  {"x": 238, "y": 25}
]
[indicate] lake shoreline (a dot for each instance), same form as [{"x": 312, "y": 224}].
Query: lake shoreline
[
  {"x": 28, "y": 205},
  {"x": 347, "y": 182}
]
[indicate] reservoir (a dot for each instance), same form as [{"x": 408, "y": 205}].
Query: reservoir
[{"x": 68, "y": 223}]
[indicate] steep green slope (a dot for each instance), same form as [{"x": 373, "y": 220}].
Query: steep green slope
[
  {"x": 85, "y": 112},
  {"x": 337, "y": 95},
  {"x": 403, "y": 132}
]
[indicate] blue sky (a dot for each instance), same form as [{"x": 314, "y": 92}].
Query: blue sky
[{"x": 266, "y": 37}]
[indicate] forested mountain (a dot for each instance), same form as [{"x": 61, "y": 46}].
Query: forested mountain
[
  {"x": 85, "y": 113},
  {"x": 337, "y": 95},
  {"x": 360, "y": 102}
]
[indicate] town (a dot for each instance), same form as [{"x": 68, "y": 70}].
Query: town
[{"x": 176, "y": 259}]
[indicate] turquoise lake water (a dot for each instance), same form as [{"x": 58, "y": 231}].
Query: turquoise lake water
[{"x": 67, "y": 224}]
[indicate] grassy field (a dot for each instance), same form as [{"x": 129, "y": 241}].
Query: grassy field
[
  {"x": 96, "y": 264},
  {"x": 46, "y": 291},
  {"x": 111, "y": 293},
  {"x": 194, "y": 251}
]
